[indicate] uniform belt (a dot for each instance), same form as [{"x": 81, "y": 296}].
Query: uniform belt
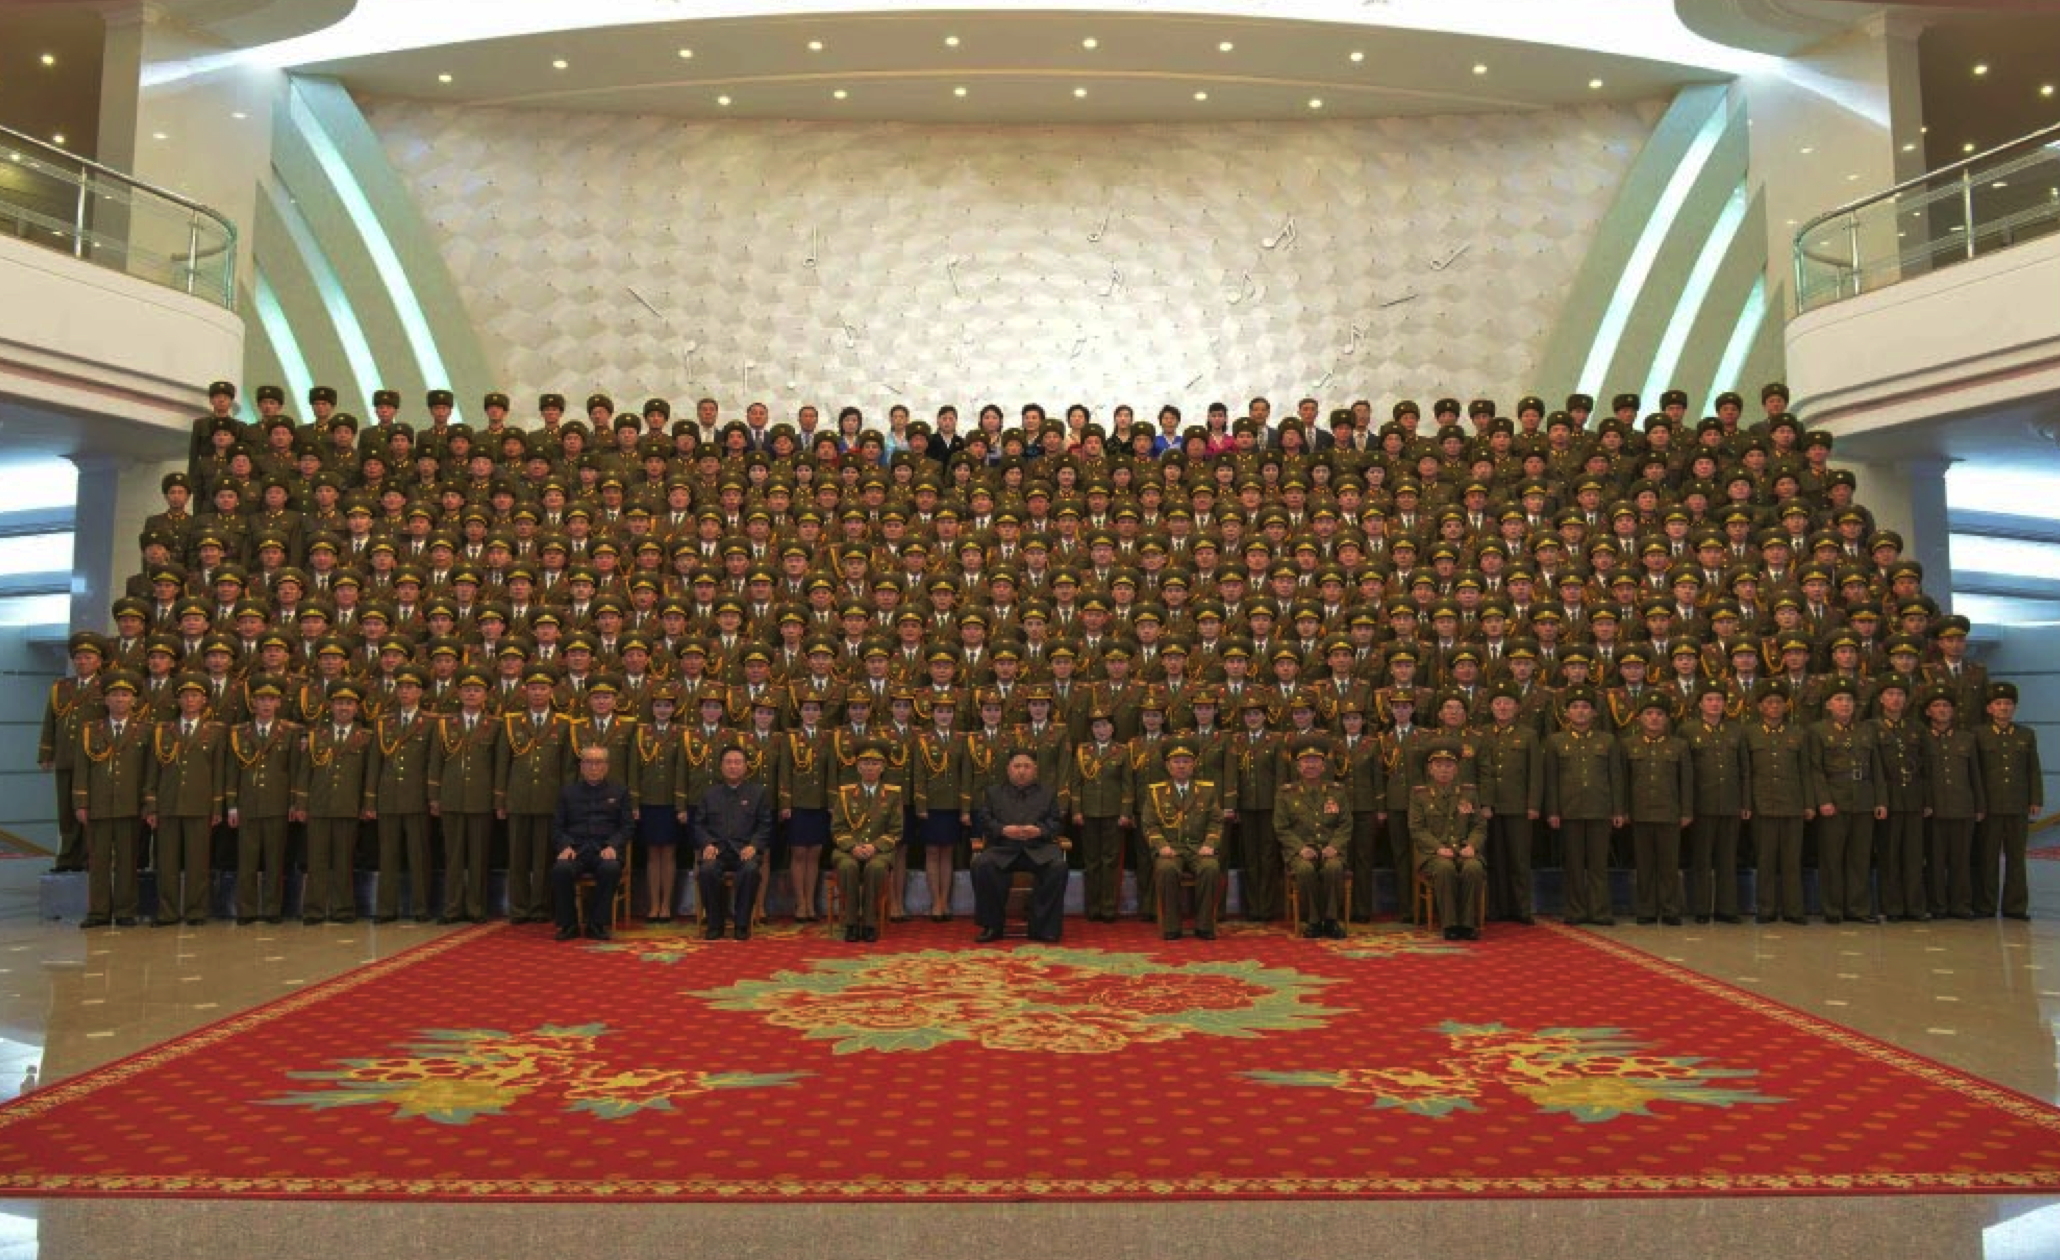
[{"x": 1859, "y": 776}]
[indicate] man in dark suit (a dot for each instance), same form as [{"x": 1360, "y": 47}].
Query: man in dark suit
[
  {"x": 1020, "y": 821},
  {"x": 592, "y": 826},
  {"x": 732, "y": 830}
]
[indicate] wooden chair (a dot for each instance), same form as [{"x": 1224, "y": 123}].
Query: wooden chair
[
  {"x": 1015, "y": 915},
  {"x": 1427, "y": 902},
  {"x": 833, "y": 901},
  {"x": 729, "y": 885},
  {"x": 1294, "y": 903},
  {"x": 618, "y": 909}
]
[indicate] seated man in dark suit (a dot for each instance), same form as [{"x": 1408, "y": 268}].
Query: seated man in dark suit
[
  {"x": 1020, "y": 821},
  {"x": 592, "y": 824},
  {"x": 732, "y": 826}
]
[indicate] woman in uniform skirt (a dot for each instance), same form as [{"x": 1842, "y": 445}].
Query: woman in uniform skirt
[{"x": 660, "y": 820}]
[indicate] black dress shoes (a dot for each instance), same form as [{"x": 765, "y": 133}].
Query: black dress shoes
[
  {"x": 601, "y": 933},
  {"x": 1174, "y": 935},
  {"x": 713, "y": 932},
  {"x": 1455, "y": 934},
  {"x": 1733, "y": 919},
  {"x": 1670, "y": 920},
  {"x": 1527, "y": 920},
  {"x": 94, "y": 921},
  {"x": 743, "y": 933},
  {"x": 1314, "y": 931},
  {"x": 568, "y": 933},
  {"x": 1205, "y": 934},
  {"x": 872, "y": 933},
  {"x": 987, "y": 936},
  {"x": 851, "y": 936}
]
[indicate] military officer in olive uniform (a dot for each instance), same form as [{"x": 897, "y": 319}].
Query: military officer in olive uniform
[
  {"x": 264, "y": 761},
  {"x": 74, "y": 703},
  {"x": 1723, "y": 789},
  {"x": 1182, "y": 821},
  {"x": 107, "y": 801},
  {"x": 1313, "y": 819},
  {"x": 1253, "y": 757},
  {"x": 1900, "y": 835},
  {"x": 1845, "y": 778},
  {"x": 536, "y": 759},
  {"x": 2014, "y": 788},
  {"x": 182, "y": 802},
  {"x": 1662, "y": 775},
  {"x": 1585, "y": 795},
  {"x": 1448, "y": 832},
  {"x": 339, "y": 781},
  {"x": 865, "y": 826},
  {"x": 402, "y": 798},
  {"x": 1952, "y": 773},
  {"x": 1097, "y": 792},
  {"x": 1779, "y": 804},
  {"x": 1510, "y": 764},
  {"x": 462, "y": 761}
]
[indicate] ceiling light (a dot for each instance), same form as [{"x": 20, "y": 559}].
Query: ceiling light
[
  {"x": 239, "y": 115},
  {"x": 1807, "y": 150},
  {"x": 958, "y": 91},
  {"x": 1079, "y": 92},
  {"x": 951, "y": 41},
  {"x": 686, "y": 54},
  {"x": 815, "y": 45},
  {"x": 559, "y": 64},
  {"x": 1850, "y": 178},
  {"x": 840, "y": 94},
  {"x": 49, "y": 59},
  {"x": 1225, "y": 46},
  {"x": 1980, "y": 68},
  {"x": 722, "y": 100},
  {"x": 1594, "y": 84},
  {"x": 1201, "y": 96},
  {"x": 1967, "y": 147},
  {"x": 1315, "y": 102},
  {"x": 159, "y": 135},
  {"x": 1478, "y": 68},
  {"x": 58, "y": 138},
  {"x": 1357, "y": 55},
  {"x": 1909, "y": 146},
  {"x": 2046, "y": 90},
  {"x": 443, "y": 78},
  {"x": 1090, "y": 42}
]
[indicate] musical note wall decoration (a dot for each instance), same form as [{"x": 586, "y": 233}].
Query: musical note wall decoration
[
  {"x": 1358, "y": 334},
  {"x": 951, "y": 274},
  {"x": 850, "y": 336},
  {"x": 1245, "y": 289},
  {"x": 1324, "y": 379},
  {"x": 814, "y": 249},
  {"x": 1283, "y": 239},
  {"x": 1453, "y": 257},
  {"x": 1094, "y": 237},
  {"x": 1410, "y": 296},
  {"x": 1196, "y": 381},
  {"x": 1115, "y": 282},
  {"x": 1078, "y": 346}
]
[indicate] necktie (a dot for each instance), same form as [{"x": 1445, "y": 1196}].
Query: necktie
[
  {"x": 186, "y": 728},
  {"x": 118, "y": 729},
  {"x": 538, "y": 721},
  {"x": 264, "y": 733},
  {"x": 470, "y": 721}
]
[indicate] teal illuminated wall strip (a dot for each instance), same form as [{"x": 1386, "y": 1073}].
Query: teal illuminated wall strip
[
  {"x": 285, "y": 349},
  {"x": 315, "y": 301},
  {"x": 1673, "y": 342}
]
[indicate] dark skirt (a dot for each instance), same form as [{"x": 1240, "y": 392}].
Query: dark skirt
[
  {"x": 808, "y": 829},
  {"x": 659, "y": 828},
  {"x": 940, "y": 829}
]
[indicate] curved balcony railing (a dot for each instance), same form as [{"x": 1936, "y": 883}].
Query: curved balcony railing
[
  {"x": 114, "y": 220},
  {"x": 1975, "y": 206}
]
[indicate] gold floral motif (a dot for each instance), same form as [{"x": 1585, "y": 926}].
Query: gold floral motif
[
  {"x": 457, "y": 1075},
  {"x": 1590, "y": 1074},
  {"x": 1391, "y": 944},
  {"x": 1053, "y": 1001}
]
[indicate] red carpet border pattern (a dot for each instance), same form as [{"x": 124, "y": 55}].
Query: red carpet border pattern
[{"x": 497, "y": 1064}]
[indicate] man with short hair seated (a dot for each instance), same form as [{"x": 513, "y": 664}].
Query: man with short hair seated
[
  {"x": 592, "y": 824},
  {"x": 732, "y": 823},
  {"x": 1020, "y": 821}
]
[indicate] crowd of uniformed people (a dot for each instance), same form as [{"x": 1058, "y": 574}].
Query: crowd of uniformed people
[{"x": 1457, "y": 646}]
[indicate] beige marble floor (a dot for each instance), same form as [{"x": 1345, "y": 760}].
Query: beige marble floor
[{"x": 1981, "y": 997}]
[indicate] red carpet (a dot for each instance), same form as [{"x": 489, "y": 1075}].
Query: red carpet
[{"x": 497, "y": 1064}]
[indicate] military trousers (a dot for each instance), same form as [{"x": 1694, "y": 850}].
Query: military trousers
[
  {"x": 1713, "y": 864},
  {"x": 1779, "y": 842},
  {"x": 1949, "y": 853},
  {"x": 1363, "y": 859},
  {"x": 859, "y": 881},
  {"x": 1900, "y": 840},
  {"x": 260, "y": 867},
  {"x": 1509, "y": 871},
  {"x": 111, "y": 867},
  {"x": 2001, "y": 839},
  {"x": 1319, "y": 887},
  {"x": 1207, "y": 872},
  {"x": 465, "y": 840},
  {"x": 71, "y": 835},
  {"x": 1260, "y": 851},
  {"x": 1584, "y": 848},
  {"x": 1656, "y": 870},
  {"x": 1101, "y": 861},
  {"x": 1456, "y": 885},
  {"x": 332, "y": 850},
  {"x": 403, "y": 837},
  {"x": 183, "y": 869},
  {"x": 1845, "y": 865},
  {"x": 1402, "y": 858},
  {"x": 529, "y": 866}
]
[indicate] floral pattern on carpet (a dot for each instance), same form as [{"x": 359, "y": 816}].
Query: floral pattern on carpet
[
  {"x": 1391, "y": 943},
  {"x": 1051, "y": 1001},
  {"x": 458, "y": 1075},
  {"x": 1590, "y": 1074}
]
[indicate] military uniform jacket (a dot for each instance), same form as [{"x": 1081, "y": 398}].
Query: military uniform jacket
[
  {"x": 981, "y": 754},
  {"x": 1952, "y": 775},
  {"x": 1662, "y": 774},
  {"x": 1098, "y": 782},
  {"x": 109, "y": 775},
  {"x": 462, "y": 764},
  {"x": 621, "y": 732},
  {"x": 72, "y": 705},
  {"x": 1317, "y": 817},
  {"x": 937, "y": 774},
  {"x": 404, "y": 762},
  {"x": 860, "y": 817},
  {"x": 1723, "y": 769},
  {"x": 1845, "y": 766},
  {"x": 1185, "y": 822},
  {"x": 534, "y": 761},
  {"x": 1254, "y": 769},
  {"x": 2010, "y": 775},
  {"x": 1402, "y": 764},
  {"x": 1780, "y": 770},
  {"x": 658, "y": 781},
  {"x": 338, "y": 779},
  {"x": 1360, "y": 770},
  {"x": 258, "y": 781},
  {"x": 762, "y": 761},
  {"x": 1509, "y": 768},
  {"x": 1585, "y": 776},
  {"x": 1901, "y": 744},
  {"x": 1445, "y": 817},
  {"x": 186, "y": 771},
  {"x": 804, "y": 773},
  {"x": 1049, "y": 746}
]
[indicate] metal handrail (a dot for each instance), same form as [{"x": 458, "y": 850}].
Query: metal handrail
[
  {"x": 119, "y": 176},
  {"x": 1918, "y": 181}
]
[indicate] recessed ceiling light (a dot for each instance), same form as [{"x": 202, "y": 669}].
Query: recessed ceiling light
[
  {"x": 958, "y": 91},
  {"x": 2046, "y": 89},
  {"x": 1967, "y": 147},
  {"x": 1225, "y": 46},
  {"x": 1357, "y": 55},
  {"x": 951, "y": 41},
  {"x": 1807, "y": 150},
  {"x": 559, "y": 64},
  {"x": 1090, "y": 42},
  {"x": 443, "y": 78},
  {"x": 159, "y": 135},
  {"x": 49, "y": 59},
  {"x": 58, "y": 138},
  {"x": 815, "y": 45},
  {"x": 1850, "y": 178},
  {"x": 1909, "y": 146},
  {"x": 1201, "y": 96},
  {"x": 1079, "y": 91},
  {"x": 1315, "y": 102},
  {"x": 238, "y": 115},
  {"x": 1980, "y": 68},
  {"x": 686, "y": 54},
  {"x": 840, "y": 94},
  {"x": 1479, "y": 68},
  {"x": 1594, "y": 84},
  {"x": 722, "y": 100}
]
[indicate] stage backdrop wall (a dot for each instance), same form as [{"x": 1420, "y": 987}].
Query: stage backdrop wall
[{"x": 825, "y": 262}]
